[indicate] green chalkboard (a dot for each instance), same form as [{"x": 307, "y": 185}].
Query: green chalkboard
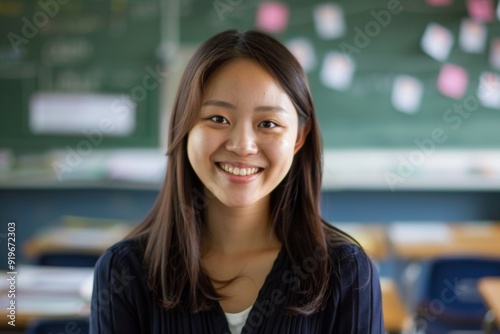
[
  {"x": 363, "y": 116},
  {"x": 80, "y": 48}
]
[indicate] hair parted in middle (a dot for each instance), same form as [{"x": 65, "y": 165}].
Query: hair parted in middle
[{"x": 173, "y": 230}]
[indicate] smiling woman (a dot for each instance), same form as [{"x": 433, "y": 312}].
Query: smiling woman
[
  {"x": 244, "y": 142},
  {"x": 235, "y": 242}
]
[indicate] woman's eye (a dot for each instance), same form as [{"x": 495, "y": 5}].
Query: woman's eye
[
  {"x": 219, "y": 119},
  {"x": 268, "y": 124}
]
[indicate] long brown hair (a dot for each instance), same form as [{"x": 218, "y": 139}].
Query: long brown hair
[{"x": 173, "y": 228}]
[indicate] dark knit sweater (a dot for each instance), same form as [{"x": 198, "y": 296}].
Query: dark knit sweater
[{"x": 122, "y": 302}]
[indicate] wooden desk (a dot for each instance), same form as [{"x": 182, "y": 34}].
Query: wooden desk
[
  {"x": 489, "y": 288},
  {"x": 31, "y": 308},
  {"x": 419, "y": 241},
  {"x": 40, "y": 298},
  {"x": 372, "y": 237},
  {"x": 395, "y": 312},
  {"x": 70, "y": 239},
  {"x": 46, "y": 292}
]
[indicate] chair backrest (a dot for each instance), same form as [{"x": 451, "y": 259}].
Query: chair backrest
[
  {"x": 448, "y": 298},
  {"x": 67, "y": 259},
  {"x": 57, "y": 326}
]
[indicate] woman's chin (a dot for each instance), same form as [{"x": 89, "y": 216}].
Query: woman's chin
[{"x": 238, "y": 203}]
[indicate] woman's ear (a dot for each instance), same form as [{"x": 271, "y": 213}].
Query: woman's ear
[{"x": 302, "y": 136}]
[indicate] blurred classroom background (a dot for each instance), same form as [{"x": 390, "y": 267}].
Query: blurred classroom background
[{"x": 408, "y": 99}]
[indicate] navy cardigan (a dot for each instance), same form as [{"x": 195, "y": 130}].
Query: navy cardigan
[{"x": 122, "y": 302}]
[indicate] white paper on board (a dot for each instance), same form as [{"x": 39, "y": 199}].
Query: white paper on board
[
  {"x": 488, "y": 91},
  {"x": 80, "y": 113},
  {"x": 407, "y": 94},
  {"x": 329, "y": 21},
  {"x": 472, "y": 36},
  {"x": 303, "y": 50},
  {"x": 337, "y": 71},
  {"x": 437, "y": 41}
]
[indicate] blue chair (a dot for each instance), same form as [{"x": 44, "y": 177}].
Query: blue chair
[
  {"x": 67, "y": 259},
  {"x": 447, "y": 298},
  {"x": 56, "y": 326}
]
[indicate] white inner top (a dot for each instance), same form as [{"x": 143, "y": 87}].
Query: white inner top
[{"x": 236, "y": 321}]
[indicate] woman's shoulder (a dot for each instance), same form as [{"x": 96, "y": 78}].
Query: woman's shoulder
[
  {"x": 350, "y": 262},
  {"x": 341, "y": 246},
  {"x": 121, "y": 299},
  {"x": 120, "y": 269},
  {"x": 343, "y": 249},
  {"x": 355, "y": 296},
  {"x": 125, "y": 253}
]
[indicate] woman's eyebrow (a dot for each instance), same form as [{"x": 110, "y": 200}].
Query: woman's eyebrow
[
  {"x": 270, "y": 108},
  {"x": 227, "y": 105},
  {"x": 218, "y": 103}
]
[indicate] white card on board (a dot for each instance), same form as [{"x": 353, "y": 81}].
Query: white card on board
[
  {"x": 437, "y": 41},
  {"x": 303, "y": 50},
  {"x": 488, "y": 91},
  {"x": 62, "y": 113},
  {"x": 337, "y": 71},
  {"x": 329, "y": 21},
  {"x": 407, "y": 94},
  {"x": 472, "y": 36}
]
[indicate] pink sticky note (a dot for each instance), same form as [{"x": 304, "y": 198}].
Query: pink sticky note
[
  {"x": 439, "y": 2},
  {"x": 272, "y": 16},
  {"x": 481, "y": 10},
  {"x": 452, "y": 81}
]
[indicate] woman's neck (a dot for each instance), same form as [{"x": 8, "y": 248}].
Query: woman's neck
[{"x": 234, "y": 231}]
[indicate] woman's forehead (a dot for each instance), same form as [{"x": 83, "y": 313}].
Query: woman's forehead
[{"x": 243, "y": 80}]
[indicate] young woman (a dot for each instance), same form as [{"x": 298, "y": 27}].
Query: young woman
[{"x": 235, "y": 242}]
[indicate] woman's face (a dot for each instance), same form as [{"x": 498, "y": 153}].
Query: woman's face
[{"x": 247, "y": 133}]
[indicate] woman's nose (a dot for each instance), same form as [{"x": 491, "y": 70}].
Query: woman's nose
[{"x": 242, "y": 141}]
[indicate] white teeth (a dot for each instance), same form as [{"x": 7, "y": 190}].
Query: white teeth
[{"x": 238, "y": 171}]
